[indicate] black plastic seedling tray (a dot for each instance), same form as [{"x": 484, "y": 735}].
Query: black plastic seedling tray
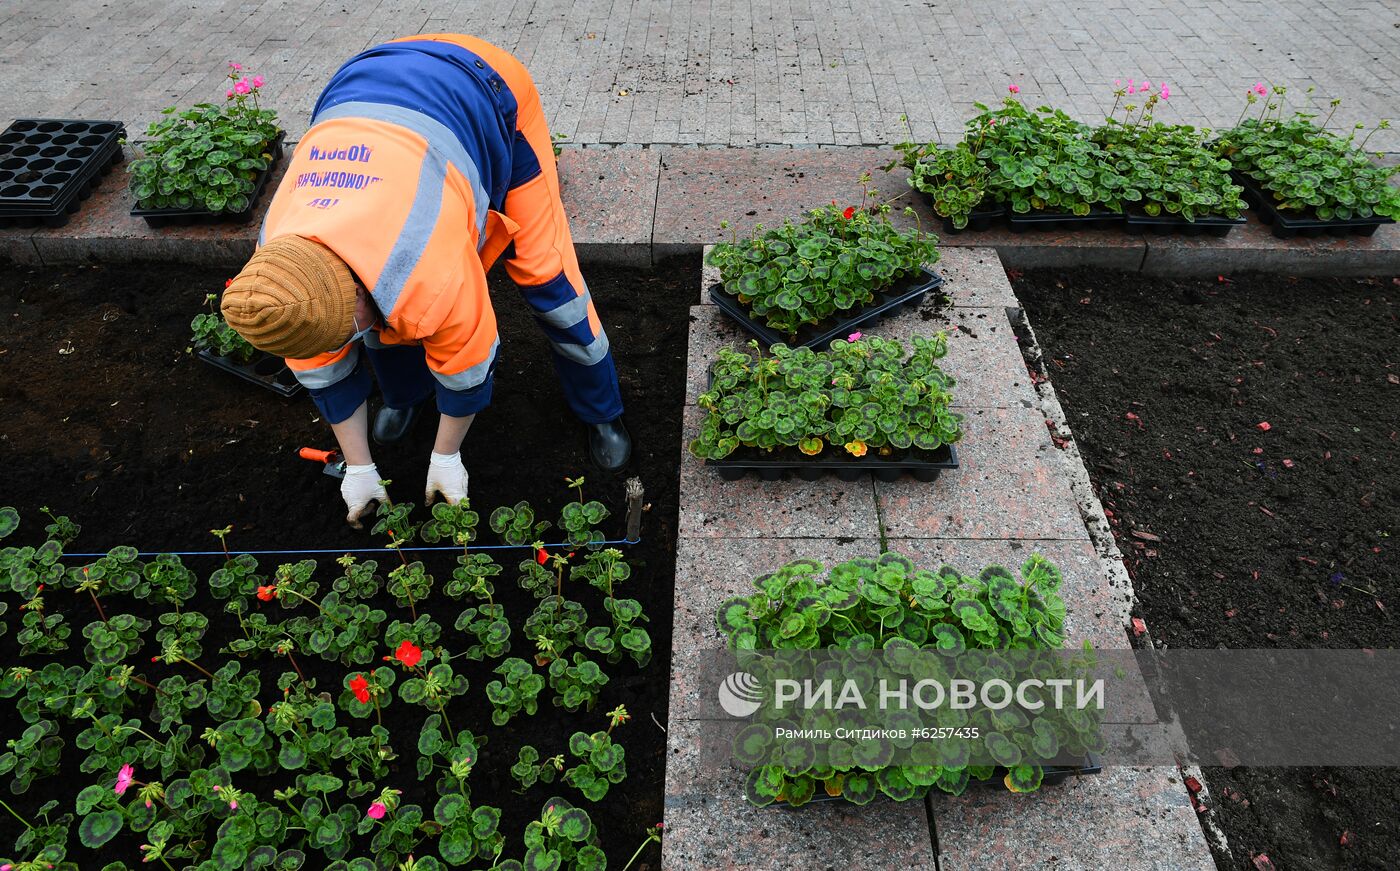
[
  {"x": 981, "y": 218},
  {"x": 921, "y": 465},
  {"x": 264, "y": 370},
  {"x": 1162, "y": 225},
  {"x": 191, "y": 217},
  {"x": 1055, "y": 775},
  {"x": 1287, "y": 226},
  {"x": 1097, "y": 219},
  {"x": 901, "y": 294},
  {"x": 48, "y": 166}
]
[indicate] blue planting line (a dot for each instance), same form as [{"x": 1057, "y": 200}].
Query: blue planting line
[{"x": 339, "y": 550}]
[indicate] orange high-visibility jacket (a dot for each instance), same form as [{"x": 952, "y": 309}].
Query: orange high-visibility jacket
[{"x": 404, "y": 174}]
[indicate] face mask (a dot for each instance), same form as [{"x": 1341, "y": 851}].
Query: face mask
[{"x": 359, "y": 333}]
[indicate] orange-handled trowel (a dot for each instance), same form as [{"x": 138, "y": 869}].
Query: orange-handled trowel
[{"x": 331, "y": 462}]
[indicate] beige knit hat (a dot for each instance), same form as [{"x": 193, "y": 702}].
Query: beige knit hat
[{"x": 295, "y": 298}]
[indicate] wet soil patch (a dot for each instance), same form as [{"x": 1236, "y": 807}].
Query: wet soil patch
[{"x": 1242, "y": 435}]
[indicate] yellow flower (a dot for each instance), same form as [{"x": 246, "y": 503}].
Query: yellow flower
[{"x": 856, "y": 448}]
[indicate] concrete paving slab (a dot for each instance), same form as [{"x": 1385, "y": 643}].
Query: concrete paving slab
[
  {"x": 1123, "y": 818},
  {"x": 610, "y": 195},
  {"x": 1011, "y": 484},
  {"x": 749, "y": 508},
  {"x": 974, "y": 277},
  {"x": 702, "y": 187},
  {"x": 983, "y": 354},
  {"x": 709, "y": 571},
  {"x": 709, "y": 825},
  {"x": 1253, "y": 247}
]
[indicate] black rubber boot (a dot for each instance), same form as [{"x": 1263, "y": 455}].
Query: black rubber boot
[
  {"x": 392, "y": 425},
  {"x": 609, "y": 444}
]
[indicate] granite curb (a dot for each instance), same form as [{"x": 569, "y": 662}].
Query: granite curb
[{"x": 639, "y": 205}]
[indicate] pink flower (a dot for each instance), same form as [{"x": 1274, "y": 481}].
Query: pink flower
[
  {"x": 1131, "y": 89},
  {"x": 376, "y": 811},
  {"x": 1117, "y": 82},
  {"x": 1260, "y": 89},
  {"x": 853, "y": 336},
  {"x": 1145, "y": 86},
  {"x": 229, "y": 95},
  {"x": 233, "y": 805},
  {"x": 241, "y": 87},
  {"x": 257, "y": 81},
  {"x": 235, "y": 66},
  {"x": 1166, "y": 91},
  {"x": 1014, "y": 88},
  {"x": 124, "y": 778}
]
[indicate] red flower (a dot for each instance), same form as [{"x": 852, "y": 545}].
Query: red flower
[
  {"x": 227, "y": 282},
  {"x": 360, "y": 687},
  {"x": 849, "y": 213},
  {"x": 541, "y": 556},
  {"x": 408, "y": 653},
  {"x": 268, "y": 593}
]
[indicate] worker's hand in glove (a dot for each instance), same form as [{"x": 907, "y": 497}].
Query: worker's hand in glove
[
  {"x": 360, "y": 489},
  {"x": 447, "y": 477}
]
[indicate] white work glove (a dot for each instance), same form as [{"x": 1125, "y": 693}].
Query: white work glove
[
  {"x": 447, "y": 477},
  {"x": 360, "y": 488}
]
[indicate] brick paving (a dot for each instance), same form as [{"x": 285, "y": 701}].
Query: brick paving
[{"x": 724, "y": 72}]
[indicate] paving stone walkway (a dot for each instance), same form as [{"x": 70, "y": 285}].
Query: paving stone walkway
[
  {"x": 725, "y": 72},
  {"x": 1010, "y": 497}
]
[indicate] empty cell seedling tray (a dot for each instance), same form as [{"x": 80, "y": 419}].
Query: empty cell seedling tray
[
  {"x": 48, "y": 166},
  {"x": 1097, "y": 219},
  {"x": 263, "y": 370},
  {"x": 1286, "y": 226},
  {"x": 1138, "y": 223},
  {"x": 902, "y": 293},
  {"x": 772, "y": 466},
  {"x": 193, "y": 216}
]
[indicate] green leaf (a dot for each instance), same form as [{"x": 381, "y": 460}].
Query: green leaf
[
  {"x": 99, "y": 828},
  {"x": 448, "y": 807},
  {"x": 9, "y": 521},
  {"x": 541, "y": 859},
  {"x": 456, "y": 846}
]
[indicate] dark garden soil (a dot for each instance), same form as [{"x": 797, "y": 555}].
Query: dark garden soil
[
  {"x": 106, "y": 418},
  {"x": 1242, "y": 435}
]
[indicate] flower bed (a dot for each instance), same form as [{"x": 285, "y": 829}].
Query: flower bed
[
  {"x": 861, "y": 396},
  {"x": 887, "y": 607},
  {"x": 183, "y": 450},
  {"x": 1280, "y": 537},
  {"x": 212, "y": 769},
  {"x": 820, "y": 275}
]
